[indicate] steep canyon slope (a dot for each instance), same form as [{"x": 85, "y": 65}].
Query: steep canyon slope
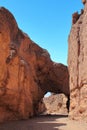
[{"x": 77, "y": 63}]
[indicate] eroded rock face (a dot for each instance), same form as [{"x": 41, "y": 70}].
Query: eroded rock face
[
  {"x": 55, "y": 104},
  {"x": 26, "y": 72},
  {"x": 77, "y": 62}
]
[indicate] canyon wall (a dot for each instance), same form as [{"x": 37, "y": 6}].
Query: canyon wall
[
  {"x": 27, "y": 72},
  {"x": 77, "y": 63}
]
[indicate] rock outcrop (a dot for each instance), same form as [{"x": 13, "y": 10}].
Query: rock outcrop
[
  {"x": 83, "y": 1},
  {"x": 26, "y": 72},
  {"x": 55, "y": 104},
  {"x": 77, "y": 62},
  {"x": 75, "y": 17}
]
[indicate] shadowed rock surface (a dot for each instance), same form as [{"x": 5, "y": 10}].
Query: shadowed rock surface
[
  {"x": 84, "y": 1},
  {"x": 77, "y": 62},
  {"x": 26, "y": 72}
]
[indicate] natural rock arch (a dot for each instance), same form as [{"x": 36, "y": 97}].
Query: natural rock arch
[{"x": 26, "y": 72}]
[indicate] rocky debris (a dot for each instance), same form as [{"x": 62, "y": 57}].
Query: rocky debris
[
  {"x": 26, "y": 72},
  {"x": 55, "y": 104},
  {"x": 77, "y": 63}
]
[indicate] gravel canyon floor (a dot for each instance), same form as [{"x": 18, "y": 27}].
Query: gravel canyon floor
[{"x": 54, "y": 122}]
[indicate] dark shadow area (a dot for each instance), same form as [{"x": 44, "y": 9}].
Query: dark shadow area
[
  {"x": 42, "y": 122},
  {"x": 53, "y": 116}
]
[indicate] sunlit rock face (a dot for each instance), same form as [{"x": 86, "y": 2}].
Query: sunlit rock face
[
  {"x": 26, "y": 72},
  {"x": 77, "y": 62},
  {"x": 55, "y": 104}
]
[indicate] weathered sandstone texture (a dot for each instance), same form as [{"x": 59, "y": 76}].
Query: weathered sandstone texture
[
  {"x": 26, "y": 72},
  {"x": 55, "y": 104},
  {"x": 77, "y": 63}
]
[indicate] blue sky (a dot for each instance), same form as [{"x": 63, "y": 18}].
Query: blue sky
[{"x": 47, "y": 22}]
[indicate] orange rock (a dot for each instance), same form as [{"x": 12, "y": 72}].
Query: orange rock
[{"x": 26, "y": 72}]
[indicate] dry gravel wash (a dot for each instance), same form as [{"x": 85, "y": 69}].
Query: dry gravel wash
[{"x": 55, "y": 122}]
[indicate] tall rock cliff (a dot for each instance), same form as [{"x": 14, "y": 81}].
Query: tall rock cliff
[
  {"x": 77, "y": 62},
  {"x": 26, "y": 72}
]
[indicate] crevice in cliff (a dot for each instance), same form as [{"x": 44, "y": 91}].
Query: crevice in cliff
[{"x": 79, "y": 51}]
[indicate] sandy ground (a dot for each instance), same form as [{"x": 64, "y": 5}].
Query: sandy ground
[{"x": 55, "y": 122}]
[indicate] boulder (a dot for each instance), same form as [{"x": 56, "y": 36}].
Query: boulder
[{"x": 55, "y": 104}]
